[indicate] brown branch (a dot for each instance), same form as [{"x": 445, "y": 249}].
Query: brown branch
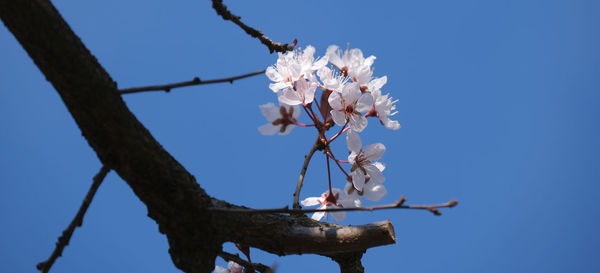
[
  {"x": 196, "y": 81},
  {"x": 349, "y": 262},
  {"x": 174, "y": 199},
  {"x": 318, "y": 145},
  {"x": 250, "y": 267},
  {"x": 222, "y": 10},
  {"x": 64, "y": 239},
  {"x": 397, "y": 205}
]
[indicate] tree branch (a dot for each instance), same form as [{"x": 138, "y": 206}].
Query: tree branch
[
  {"x": 196, "y": 81},
  {"x": 64, "y": 239},
  {"x": 180, "y": 207},
  {"x": 222, "y": 10},
  {"x": 317, "y": 146},
  {"x": 397, "y": 205},
  {"x": 250, "y": 267},
  {"x": 349, "y": 262}
]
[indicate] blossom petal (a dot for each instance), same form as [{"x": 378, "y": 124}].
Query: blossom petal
[
  {"x": 338, "y": 215},
  {"x": 288, "y": 129},
  {"x": 289, "y": 97},
  {"x": 269, "y": 111},
  {"x": 351, "y": 93},
  {"x": 365, "y": 103},
  {"x": 318, "y": 215},
  {"x": 353, "y": 141},
  {"x": 374, "y": 173},
  {"x": 358, "y": 179},
  {"x": 377, "y": 83},
  {"x": 277, "y": 86},
  {"x": 338, "y": 117},
  {"x": 335, "y": 101},
  {"x": 219, "y": 269},
  {"x": 310, "y": 201},
  {"x": 358, "y": 123},
  {"x": 374, "y": 192},
  {"x": 268, "y": 129},
  {"x": 374, "y": 152},
  {"x": 272, "y": 74}
]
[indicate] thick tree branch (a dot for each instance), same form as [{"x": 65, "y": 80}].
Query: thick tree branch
[
  {"x": 174, "y": 199},
  {"x": 222, "y": 10},
  {"x": 349, "y": 262},
  {"x": 195, "y": 81},
  {"x": 64, "y": 239}
]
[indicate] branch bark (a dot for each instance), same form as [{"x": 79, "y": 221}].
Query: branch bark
[{"x": 174, "y": 199}]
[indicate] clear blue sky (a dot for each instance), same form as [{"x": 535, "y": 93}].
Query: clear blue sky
[{"x": 499, "y": 103}]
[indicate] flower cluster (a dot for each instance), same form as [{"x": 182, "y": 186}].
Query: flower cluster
[{"x": 350, "y": 95}]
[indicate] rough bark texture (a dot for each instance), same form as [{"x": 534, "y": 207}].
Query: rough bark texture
[{"x": 173, "y": 198}]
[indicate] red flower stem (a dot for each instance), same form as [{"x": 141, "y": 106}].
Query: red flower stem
[
  {"x": 328, "y": 174},
  {"x": 338, "y": 163},
  {"x": 343, "y": 130},
  {"x": 303, "y": 125}
]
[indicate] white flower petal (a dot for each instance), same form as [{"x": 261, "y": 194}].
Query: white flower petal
[
  {"x": 270, "y": 111},
  {"x": 374, "y": 152},
  {"x": 277, "y": 86},
  {"x": 339, "y": 215},
  {"x": 351, "y": 93},
  {"x": 365, "y": 103},
  {"x": 358, "y": 123},
  {"x": 296, "y": 112},
  {"x": 353, "y": 141},
  {"x": 288, "y": 129},
  {"x": 374, "y": 192},
  {"x": 219, "y": 269},
  {"x": 289, "y": 97},
  {"x": 318, "y": 215},
  {"x": 352, "y": 157},
  {"x": 335, "y": 101},
  {"x": 338, "y": 117},
  {"x": 358, "y": 179},
  {"x": 310, "y": 201},
  {"x": 377, "y": 83},
  {"x": 375, "y": 174},
  {"x": 379, "y": 166},
  {"x": 268, "y": 129}
]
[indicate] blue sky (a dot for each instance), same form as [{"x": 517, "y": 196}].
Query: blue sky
[{"x": 499, "y": 103}]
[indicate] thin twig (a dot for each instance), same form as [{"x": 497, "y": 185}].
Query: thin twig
[
  {"x": 250, "y": 267},
  {"x": 315, "y": 147},
  {"x": 195, "y": 81},
  {"x": 397, "y": 205},
  {"x": 222, "y": 10},
  {"x": 63, "y": 240}
]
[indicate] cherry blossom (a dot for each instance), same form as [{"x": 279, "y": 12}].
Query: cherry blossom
[
  {"x": 331, "y": 80},
  {"x": 232, "y": 267},
  {"x": 351, "y": 63},
  {"x": 334, "y": 199},
  {"x": 303, "y": 92},
  {"x": 281, "y": 119},
  {"x": 383, "y": 106},
  {"x": 372, "y": 190},
  {"x": 291, "y": 66},
  {"x": 364, "y": 163},
  {"x": 348, "y": 105}
]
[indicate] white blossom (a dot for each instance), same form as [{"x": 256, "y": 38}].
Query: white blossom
[
  {"x": 348, "y": 105},
  {"x": 383, "y": 106},
  {"x": 339, "y": 199},
  {"x": 281, "y": 119},
  {"x": 303, "y": 92},
  {"x": 331, "y": 80},
  {"x": 352, "y": 63},
  {"x": 364, "y": 162},
  {"x": 291, "y": 66}
]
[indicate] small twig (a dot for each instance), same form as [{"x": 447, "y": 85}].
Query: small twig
[
  {"x": 195, "y": 81},
  {"x": 397, "y": 205},
  {"x": 315, "y": 147},
  {"x": 222, "y": 10},
  {"x": 63, "y": 240},
  {"x": 250, "y": 267}
]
